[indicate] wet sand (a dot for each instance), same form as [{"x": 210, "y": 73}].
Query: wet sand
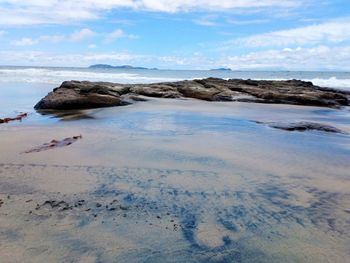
[{"x": 176, "y": 181}]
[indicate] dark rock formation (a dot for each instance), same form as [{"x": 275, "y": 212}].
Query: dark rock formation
[
  {"x": 304, "y": 126},
  {"x": 221, "y": 69},
  {"x": 85, "y": 94}
]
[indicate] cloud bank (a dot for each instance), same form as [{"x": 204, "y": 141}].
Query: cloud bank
[
  {"x": 29, "y": 12},
  {"x": 315, "y": 58},
  {"x": 332, "y": 32}
]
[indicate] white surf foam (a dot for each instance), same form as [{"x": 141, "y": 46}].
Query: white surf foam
[
  {"x": 54, "y": 76},
  {"x": 332, "y": 82},
  {"x": 57, "y": 76}
]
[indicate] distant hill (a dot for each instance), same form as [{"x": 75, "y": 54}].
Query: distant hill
[
  {"x": 221, "y": 69},
  {"x": 106, "y": 66}
]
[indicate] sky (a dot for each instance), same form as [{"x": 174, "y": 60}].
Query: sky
[{"x": 177, "y": 34}]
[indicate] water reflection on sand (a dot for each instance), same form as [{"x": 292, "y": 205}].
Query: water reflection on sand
[{"x": 177, "y": 181}]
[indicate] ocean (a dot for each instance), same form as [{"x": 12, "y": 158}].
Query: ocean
[{"x": 55, "y": 76}]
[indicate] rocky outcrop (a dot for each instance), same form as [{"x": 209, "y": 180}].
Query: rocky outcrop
[
  {"x": 304, "y": 126},
  {"x": 85, "y": 94},
  {"x": 82, "y": 94}
]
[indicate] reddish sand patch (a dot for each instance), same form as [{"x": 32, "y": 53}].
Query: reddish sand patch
[{"x": 19, "y": 117}]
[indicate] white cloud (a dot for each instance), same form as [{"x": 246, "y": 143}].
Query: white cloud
[
  {"x": 2, "y": 33},
  {"x": 38, "y": 58},
  {"x": 193, "y": 61},
  {"x": 330, "y": 32},
  {"x": 205, "y": 21},
  {"x": 15, "y": 12},
  {"x": 26, "y": 41},
  {"x": 317, "y": 58},
  {"x": 187, "y": 5},
  {"x": 117, "y": 34},
  {"x": 82, "y": 34},
  {"x": 247, "y": 22},
  {"x": 211, "y": 20},
  {"x": 76, "y": 36},
  {"x": 52, "y": 38}
]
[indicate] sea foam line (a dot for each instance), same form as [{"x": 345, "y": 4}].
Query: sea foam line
[{"x": 57, "y": 76}]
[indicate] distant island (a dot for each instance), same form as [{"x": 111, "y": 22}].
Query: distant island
[
  {"x": 221, "y": 69},
  {"x": 106, "y": 66}
]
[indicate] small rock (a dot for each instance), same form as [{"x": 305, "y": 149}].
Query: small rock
[
  {"x": 123, "y": 207},
  {"x": 304, "y": 126}
]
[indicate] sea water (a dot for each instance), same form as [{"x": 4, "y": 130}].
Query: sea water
[{"x": 57, "y": 75}]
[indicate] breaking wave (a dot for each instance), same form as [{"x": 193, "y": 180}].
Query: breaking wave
[
  {"x": 57, "y": 76},
  {"x": 332, "y": 82}
]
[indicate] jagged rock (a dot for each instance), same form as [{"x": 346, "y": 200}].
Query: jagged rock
[
  {"x": 85, "y": 94},
  {"x": 161, "y": 91},
  {"x": 291, "y": 92},
  {"x": 198, "y": 91}
]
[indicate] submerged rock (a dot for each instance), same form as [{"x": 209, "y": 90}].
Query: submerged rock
[
  {"x": 85, "y": 94},
  {"x": 304, "y": 126}
]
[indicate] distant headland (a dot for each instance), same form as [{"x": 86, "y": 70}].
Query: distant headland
[
  {"x": 221, "y": 69},
  {"x": 106, "y": 66}
]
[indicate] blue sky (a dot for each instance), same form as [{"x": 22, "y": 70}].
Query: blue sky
[{"x": 184, "y": 34}]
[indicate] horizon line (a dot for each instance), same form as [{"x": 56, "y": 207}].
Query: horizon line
[{"x": 169, "y": 69}]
